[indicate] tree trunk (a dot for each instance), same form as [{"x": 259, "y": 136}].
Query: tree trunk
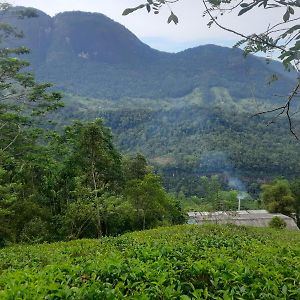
[
  {"x": 144, "y": 220},
  {"x": 99, "y": 226}
]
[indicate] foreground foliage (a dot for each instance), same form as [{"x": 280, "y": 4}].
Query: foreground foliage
[
  {"x": 67, "y": 185},
  {"x": 180, "y": 262}
]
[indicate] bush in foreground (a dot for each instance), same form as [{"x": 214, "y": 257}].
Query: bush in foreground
[{"x": 180, "y": 262}]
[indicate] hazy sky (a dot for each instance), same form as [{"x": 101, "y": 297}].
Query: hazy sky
[{"x": 154, "y": 30}]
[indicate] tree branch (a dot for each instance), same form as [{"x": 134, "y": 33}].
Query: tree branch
[
  {"x": 262, "y": 41},
  {"x": 285, "y": 108},
  {"x": 14, "y": 139}
]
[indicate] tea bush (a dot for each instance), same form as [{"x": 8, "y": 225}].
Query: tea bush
[
  {"x": 277, "y": 223},
  {"x": 179, "y": 262}
]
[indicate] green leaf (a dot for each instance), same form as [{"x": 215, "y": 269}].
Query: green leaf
[
  {"x": 290, "y": 31},
  {"x": 284, "y": 289},
  {"x": 291, "y": 10},
  {"x": 286, "y": 16},
  {"x": 173, "y": 18},
  {"x": 210, "y": 23},
  {"x": 128, "y": 11},
  {"x": 244, "y": 10}
]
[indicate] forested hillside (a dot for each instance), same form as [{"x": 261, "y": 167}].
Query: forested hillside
[
  {"x": 189, "y": 112},
  {"x": 185, "y": 138},
  {"x": 88, "y": 54}
]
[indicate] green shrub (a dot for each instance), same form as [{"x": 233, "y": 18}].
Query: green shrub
[
  {"x": 35, "y": 231},
  {"x": 277, "y": 223}
]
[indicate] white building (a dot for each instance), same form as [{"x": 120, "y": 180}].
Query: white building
[{"x": 258, "y": 218}]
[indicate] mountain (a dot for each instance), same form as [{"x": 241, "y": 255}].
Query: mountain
[
  {"x": 89, "y": 54},
  {"x": 187, "y": 112}
]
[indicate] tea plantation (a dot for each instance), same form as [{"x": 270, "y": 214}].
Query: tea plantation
[{"x": 180, "y": 262}]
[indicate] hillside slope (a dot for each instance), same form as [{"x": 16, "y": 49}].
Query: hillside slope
[
  {"x": 189, "y": 112},
  {"x": 185, "y": 138},
  {"x": 180, "y": 262},
  {"x": 88, "y": 54}
]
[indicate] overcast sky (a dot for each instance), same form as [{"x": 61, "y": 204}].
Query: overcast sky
[{"x": 154, "y": 30}]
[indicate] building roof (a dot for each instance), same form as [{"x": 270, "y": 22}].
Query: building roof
[{"x": 259, "y": 218}]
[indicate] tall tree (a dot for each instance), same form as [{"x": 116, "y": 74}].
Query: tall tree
[
  {"x": 23, "y": 102},
  {"x": 278, "y": 197},
  {"x": 151, "y": 202},
  {"x": 94, "y": 157},
  {"x": 135, "y": 167}
]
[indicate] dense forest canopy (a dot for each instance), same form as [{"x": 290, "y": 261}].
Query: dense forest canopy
[
  {"x": 280, "y": 39},
  {"x": 202, "y": 97}
]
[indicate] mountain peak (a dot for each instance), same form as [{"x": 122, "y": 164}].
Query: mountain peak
[
  {"x": 89, "y": 54},
  {"x": 95, "y": 37}
]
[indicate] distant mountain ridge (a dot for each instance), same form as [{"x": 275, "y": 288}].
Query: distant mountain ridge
[
  {"x": 91, "y": 55},
  {"x": 187, "y": 112}
]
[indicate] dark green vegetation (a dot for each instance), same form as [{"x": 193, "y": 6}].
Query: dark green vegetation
[
  {"x": 282, "y": 196},
  {"x": 182, "y": 262},
  {"x": 23, "y": 105},
  {"x": 277, "y": 223},
  {"x": 78, "y": 185},
  {"x": 91, "y": 55},
  {"x": 188, "y": 113},
  {"x": 71, "y": 184},
  {"x": 185, "y": 138}
]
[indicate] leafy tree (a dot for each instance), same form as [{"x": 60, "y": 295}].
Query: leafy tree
[
  {"x": 212, "y": 191},
  {"x": 117, "y": 214},
  {"x": 88, "y": 167},
  {"x": 8, "y": 195},
  {"x": 97, "y": 157},
  {"x": 90, "y": 158},
  {"x": 78, "y": 220},
  {"x": 23, "y": 102},
  {"x": 278, "y": 197},
  {"x": 135, "y": 167},
  {"x": 229, "y": 200},
  {"x": 90, "y": 216},
  {"x": 150, "y": 201}
]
